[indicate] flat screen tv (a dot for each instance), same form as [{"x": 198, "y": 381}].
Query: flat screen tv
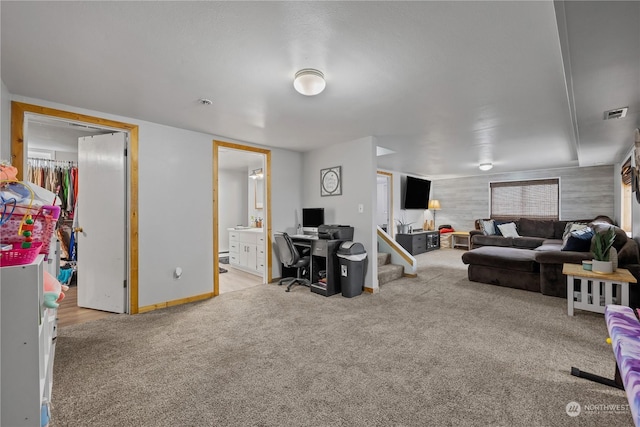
[
  {"x": 311, "y": 219},
  {"x": 416, "y": 193}
]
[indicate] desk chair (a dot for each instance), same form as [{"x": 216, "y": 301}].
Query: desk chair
[{"x": 290, "y": 257}]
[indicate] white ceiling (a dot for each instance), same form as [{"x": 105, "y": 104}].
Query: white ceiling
[{"x": 446, "y": 85}]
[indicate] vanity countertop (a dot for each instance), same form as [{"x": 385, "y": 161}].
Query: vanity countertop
[{"x": 246, "y": 229}]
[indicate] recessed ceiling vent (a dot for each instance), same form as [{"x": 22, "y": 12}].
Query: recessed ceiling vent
[{"x": 618, "y": 113}]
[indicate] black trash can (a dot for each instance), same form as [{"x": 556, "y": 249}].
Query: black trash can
[{"x": 352, "y": 258}]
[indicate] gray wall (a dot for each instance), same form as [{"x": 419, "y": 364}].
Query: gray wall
[
  {"x": 5, "y": 123},
  {"x": 584, "y": 193},
  {"x": 232, "y": 191},
  {"x": 358, "y": 161},
  {"x": 175, "y": 184}
]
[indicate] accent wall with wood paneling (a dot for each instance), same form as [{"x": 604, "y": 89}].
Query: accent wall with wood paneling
[{"x": 584, "y": 193}]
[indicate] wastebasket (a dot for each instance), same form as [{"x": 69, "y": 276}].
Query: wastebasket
[{"x": 352, "y": 258}]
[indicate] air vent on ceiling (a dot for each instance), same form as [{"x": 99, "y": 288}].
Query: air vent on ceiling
[{"x": 617, "y": 113}]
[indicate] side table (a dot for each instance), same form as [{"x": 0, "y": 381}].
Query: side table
[
  {"x": 592, "y": 286},
  {"x": 461, "y": 239}
]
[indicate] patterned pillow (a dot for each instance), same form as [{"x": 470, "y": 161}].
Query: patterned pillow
[
  {"x": 572, "y": 226},
  {"x": 488, "y": 227},
  {"x": 579, "y": 240}
]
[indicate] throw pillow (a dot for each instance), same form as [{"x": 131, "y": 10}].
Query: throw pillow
[
  {"x": 572, "y": 226},
  {"x": 508, "y": 230},
  {"x": 579, "y": 240},
  {"x": 488, "y": 227}
]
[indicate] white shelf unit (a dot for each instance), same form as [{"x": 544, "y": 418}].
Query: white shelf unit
[
  {"x": 28, "y": 332},
  {"x": 246, "y": 250}
]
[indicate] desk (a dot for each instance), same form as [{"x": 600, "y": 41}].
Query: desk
[
  {"x": 590, "y": 296},
  {"x": 323, "y": 258}
]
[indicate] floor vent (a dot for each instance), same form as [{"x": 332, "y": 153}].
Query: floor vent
[{"x": 618, "y": 113}]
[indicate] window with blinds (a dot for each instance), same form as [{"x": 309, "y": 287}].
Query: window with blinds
[{"x": 535, "y": 199}]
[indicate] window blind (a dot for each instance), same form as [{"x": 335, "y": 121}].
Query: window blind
[
  {"x": 535, "y": 199},
  {"x": 627, "y": 173}
]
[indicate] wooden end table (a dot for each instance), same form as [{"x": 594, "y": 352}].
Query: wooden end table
[{"x": 591, "y": 284}]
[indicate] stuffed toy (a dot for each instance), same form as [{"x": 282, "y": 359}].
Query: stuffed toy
[{"x": 53, "y": 291}]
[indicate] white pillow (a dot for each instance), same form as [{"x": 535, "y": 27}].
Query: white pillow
[{"x": 508, "y": 229}]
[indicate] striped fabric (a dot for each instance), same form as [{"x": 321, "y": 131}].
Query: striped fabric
[{"x": 624, "y": 330}]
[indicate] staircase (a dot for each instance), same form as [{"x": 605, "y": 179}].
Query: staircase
[{"x": 388, "y": 272}]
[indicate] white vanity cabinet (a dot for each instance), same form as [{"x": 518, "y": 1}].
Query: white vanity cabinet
[
  {"x": 28, "y": 332},
  {"x": 246, "y": 250}
]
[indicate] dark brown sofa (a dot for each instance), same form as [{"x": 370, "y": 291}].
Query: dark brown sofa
[{"x": 534, "y": 262}]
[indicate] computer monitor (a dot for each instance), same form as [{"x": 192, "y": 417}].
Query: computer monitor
[{"x": 312, "y": 218}]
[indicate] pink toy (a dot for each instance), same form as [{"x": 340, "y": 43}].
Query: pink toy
[{"x": 53, "y": 291}]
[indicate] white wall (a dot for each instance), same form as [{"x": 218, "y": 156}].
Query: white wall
[
  {"x": 232, "y": 190},
  {"x": 5, "y": 123},
  {"x": 358, "y": 161},
  {"x": 175, "y": 203},
  {"x": 415, "y": 217},
  {"x": 286, "y": 195}
]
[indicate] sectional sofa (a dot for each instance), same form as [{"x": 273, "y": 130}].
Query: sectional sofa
[{"x": 534, "y": 260}]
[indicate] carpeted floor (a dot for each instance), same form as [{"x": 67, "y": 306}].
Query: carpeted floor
[{"x": 437, "y": 350}]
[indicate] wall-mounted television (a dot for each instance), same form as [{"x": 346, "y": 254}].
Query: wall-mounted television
[
  {"x": 312, "y": 218},
  {"x": 416, "y": 193}
]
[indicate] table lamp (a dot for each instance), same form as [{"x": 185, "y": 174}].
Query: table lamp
[{"x": 435, "y": 206}]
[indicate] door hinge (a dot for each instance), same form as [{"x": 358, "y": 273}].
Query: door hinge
[{"x": 125, "y": 283}]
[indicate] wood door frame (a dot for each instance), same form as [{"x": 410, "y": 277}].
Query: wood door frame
[
  {"x": 18, "y": 112},
  {"x": 216, "y": 207}
]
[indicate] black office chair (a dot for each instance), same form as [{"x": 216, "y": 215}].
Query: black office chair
[{"x": 290, "y": 257}]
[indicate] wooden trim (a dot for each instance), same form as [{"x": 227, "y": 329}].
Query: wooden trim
[
  {"x": 180, "y": 301},
  {"x": 394, "y": 246},
  {"x": 268, "y": 227},
  {"x": 409, "y": 275},
  {"x": 18, "y": 112},
  {"x": 369, "y": 290}
]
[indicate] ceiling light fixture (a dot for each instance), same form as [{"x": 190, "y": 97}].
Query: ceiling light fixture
[
  {"x": 309, "y": 81},
  {"x": 205, "y": 101},
  {"x": 485, "y": 166}
]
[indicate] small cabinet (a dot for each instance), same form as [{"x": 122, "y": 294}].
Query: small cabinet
[
  {"x": 28, "y": 334},
  {"x": 419, "y": 242},
  {"x": 246, "y": 250}
]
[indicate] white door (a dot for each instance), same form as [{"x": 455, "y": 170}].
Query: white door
[{"x": 101, "y": 215}]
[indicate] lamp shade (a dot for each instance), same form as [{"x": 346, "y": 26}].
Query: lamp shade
[
  {"x": 434, "y": 204},
  {"x": 309, "y": 82}
]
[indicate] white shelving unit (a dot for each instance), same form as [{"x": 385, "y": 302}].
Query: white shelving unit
[{"x": 27, "y": 340}]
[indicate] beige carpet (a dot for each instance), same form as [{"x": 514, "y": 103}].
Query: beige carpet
[{"x": 433, "y": 351}]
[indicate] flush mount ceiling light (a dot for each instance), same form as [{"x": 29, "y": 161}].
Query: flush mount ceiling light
[
  {"x": 485, "y": 166},
  {"x": 309, "y": 81}
]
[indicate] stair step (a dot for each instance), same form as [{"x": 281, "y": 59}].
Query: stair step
[
  {"x": 389, "y": 272},
  {"x": 383, "y": 258}
]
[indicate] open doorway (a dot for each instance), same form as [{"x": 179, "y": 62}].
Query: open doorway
[
  {"x": 22, "y": 116},
  {"x": 384, "y": 212},
  {"x": 242, "y": 217}
]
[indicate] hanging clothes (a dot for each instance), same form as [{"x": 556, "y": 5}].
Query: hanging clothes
[{"x": 56, "y": 176}]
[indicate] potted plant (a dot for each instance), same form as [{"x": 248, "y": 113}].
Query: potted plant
[{"x": 602, "y": 244}]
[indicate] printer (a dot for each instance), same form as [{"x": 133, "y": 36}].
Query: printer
[{"x": 335, "y": 232}]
